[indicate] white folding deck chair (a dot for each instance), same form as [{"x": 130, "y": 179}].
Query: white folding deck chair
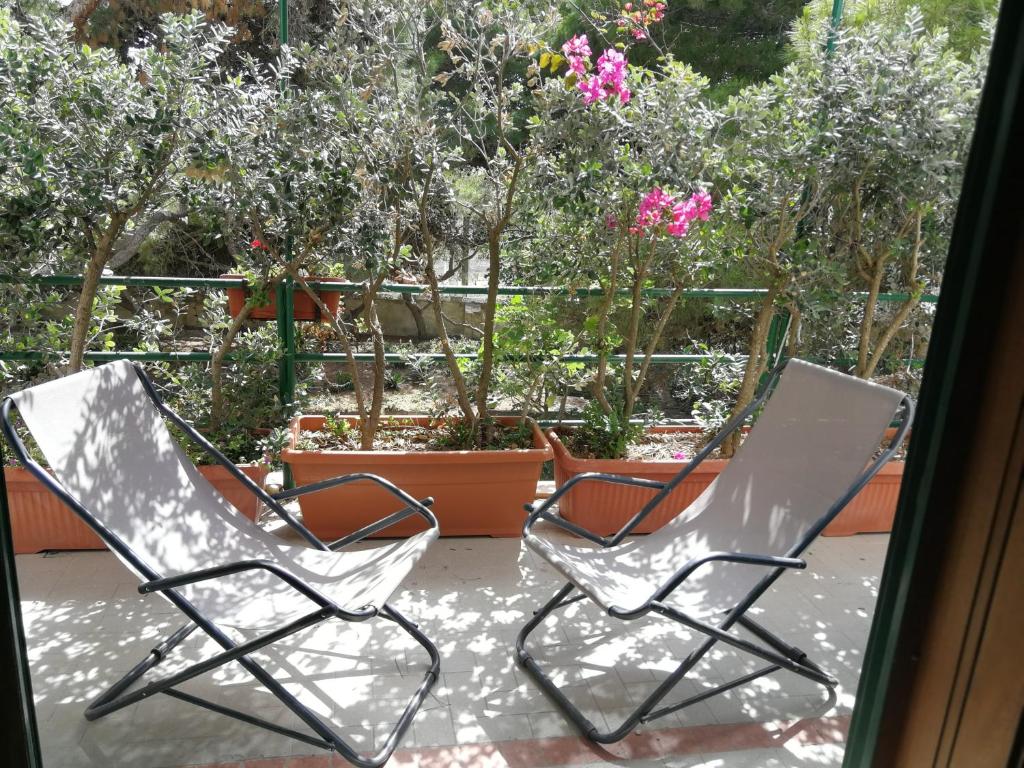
[
  {"x": 116, "y": 465},
  {"x": 814, "y": 446}
]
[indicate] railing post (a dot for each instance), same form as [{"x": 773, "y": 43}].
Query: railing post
[
  {"x": 286, "y": 361},
  {"x": 777, "y": 331}
]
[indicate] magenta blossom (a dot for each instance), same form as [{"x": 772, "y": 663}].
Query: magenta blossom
[
  {"x": 577, "y": 46},
  {"x": 679, "y": 456},
  {"x": 609, "y": 79},
  {"x": 658, "y": 205},
  {"x": 577, "y": 52},
  {"x": 592, "y": 89},
  {"x": 702, "y": 204}
]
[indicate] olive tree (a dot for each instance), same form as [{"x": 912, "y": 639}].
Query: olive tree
[
  {"x": 901, "y": 109},
  {"x": 775, "y": 146},
  {"x": 95, "y": 149}
]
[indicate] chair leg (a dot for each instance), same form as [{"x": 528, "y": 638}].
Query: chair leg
[
  {"x": 792, "y": 659},
  {"x": 323, "y": 736},
  {"x": 106, "y": 702}
]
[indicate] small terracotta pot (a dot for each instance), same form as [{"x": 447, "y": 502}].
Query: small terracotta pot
[
  {"x": 604, "y": 508},
  {"x": 476, "y": 493},
  {"x": 304, "y": 307},
  {"x": 40, "y": 521}
]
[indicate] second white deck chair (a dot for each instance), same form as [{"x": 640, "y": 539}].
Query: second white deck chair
[
  {"x": 116, "y": 465},
  {"x": 814, "y": 446}
]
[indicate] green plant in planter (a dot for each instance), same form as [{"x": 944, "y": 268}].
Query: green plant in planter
[
  {"x": 893, "y": 195},
  {"x": 529, "y": 344}
]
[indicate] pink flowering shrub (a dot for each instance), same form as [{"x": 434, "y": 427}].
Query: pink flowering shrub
[
  {"x": 658, "y": 206},
  {"x": 609, "y": 78}
]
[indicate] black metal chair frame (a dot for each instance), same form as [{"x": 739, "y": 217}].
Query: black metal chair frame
[
  {"x": 323, "y": 735},
  {"x": 778, "y": 653}
]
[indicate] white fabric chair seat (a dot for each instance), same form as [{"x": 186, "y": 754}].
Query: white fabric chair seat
[
  {"x": 814, "y": 437},
  {"x": 108, "y": 445},
  {"x": 351, "y": 579}
]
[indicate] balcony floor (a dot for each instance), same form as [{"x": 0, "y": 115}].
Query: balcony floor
[{"x": 87, "y": 625}]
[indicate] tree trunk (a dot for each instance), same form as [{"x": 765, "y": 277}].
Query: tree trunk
[
  {"x": 461, "y": 392},
  {"x": 754, "y": 367},
  {"x": 86, "y": 299},
  {"x": 652, "y": 343},
  {"x": 793, "y": 341},
  {"x": 629, "y": 392},
  {"x": 346, "y": 344},
  {"x": 417, "y": 316},
  {"x": 490, "y": 309},
  {"x": 868, "y": 320},
  {"x": 377, "y": 397},
  {"x": 217, "y": 367}
]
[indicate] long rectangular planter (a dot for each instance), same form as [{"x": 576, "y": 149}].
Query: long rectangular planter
[
  {"x": 40, "y": 521},
  {"x": 604, "y": 508},
  {"x": 476, "y": 493}
]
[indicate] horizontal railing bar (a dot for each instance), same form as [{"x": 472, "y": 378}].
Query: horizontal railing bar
[
  {"x": 145, "y": 282},
  {"x": 747, "y": 294},
  {"x": 329, "y": 357},
  {"x": 363, "y": 357}
]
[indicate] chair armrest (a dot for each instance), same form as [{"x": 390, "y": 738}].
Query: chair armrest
[
  {"x": 744, "y": 558},
  {"x": 218, "y": 571},
  {"x": 541, "y": 511},
  {"x": 418, "y": 507},
  {"x": 380, "y": 525}
]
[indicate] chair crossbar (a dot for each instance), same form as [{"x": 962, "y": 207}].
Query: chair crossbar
[
  {"x": 246, "y": 718},
  {"x": 105, "y": 704},
  {"x": 709, "y": 692}
]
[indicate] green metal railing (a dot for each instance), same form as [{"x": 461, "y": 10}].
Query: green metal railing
[{"x": 290, "y": 356}]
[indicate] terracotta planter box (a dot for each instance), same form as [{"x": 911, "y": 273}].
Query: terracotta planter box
[
  {"x": 605, "y": 508},
  {"x": 304, "y": 307},
  {"x": 40, "y": 521},
  {"x": 476, "y": 493}
]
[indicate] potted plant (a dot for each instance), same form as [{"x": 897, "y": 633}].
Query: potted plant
[{"x": 480, "y": 468}]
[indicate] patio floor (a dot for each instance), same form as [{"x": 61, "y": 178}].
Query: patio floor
[{"x": 86, "y": 625}]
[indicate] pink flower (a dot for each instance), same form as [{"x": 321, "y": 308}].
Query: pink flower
[
  {"x": 658, "y": 205},
  {"x": 679, "y": 456},
  {"x": 652, "y": 207},
  {"x": 678, "y": 227},
  {"x": 609, "y": 79},
  {"x": 701, "y": 201},
  {"x": 576, "y": 46},
  {"x": 611, "y": 221},
  {"x": 612, "y": 65},
  {"x": 592, "y": 89}
]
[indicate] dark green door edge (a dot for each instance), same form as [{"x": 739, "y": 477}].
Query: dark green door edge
[
  {"x": 17, "y": 709},
  {"x": 984, "y": 221}
]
